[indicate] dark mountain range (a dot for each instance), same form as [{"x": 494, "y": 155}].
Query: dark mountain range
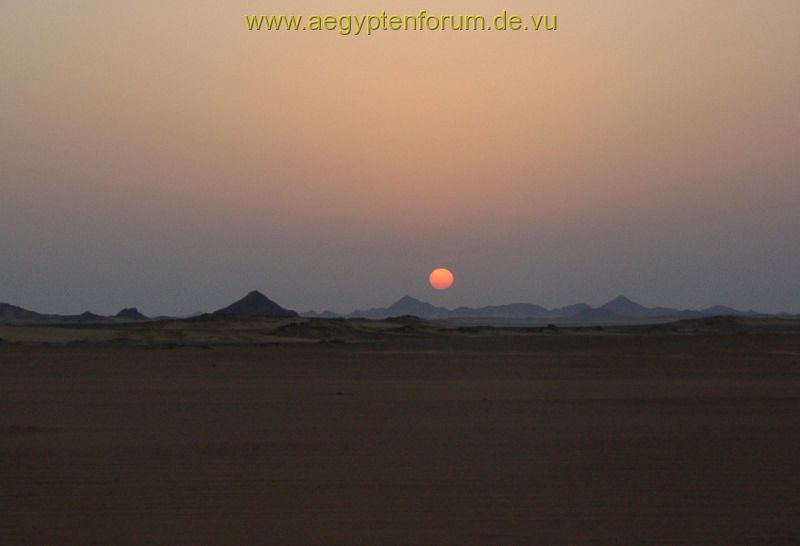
[
  {"x": 255, "y": 304},
  {"x": 619, "y": 309},
  {"x": 412, "y": 306},
  {"x": 11, "y": 314}
]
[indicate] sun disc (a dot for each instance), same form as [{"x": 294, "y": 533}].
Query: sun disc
[{"x": 441, "y": 279}]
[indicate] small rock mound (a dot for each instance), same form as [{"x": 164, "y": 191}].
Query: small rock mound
[
  {"x": 86, "y": 317},
  {"x": 131, "y": 313},
  {"x": 405, "y": 319}
]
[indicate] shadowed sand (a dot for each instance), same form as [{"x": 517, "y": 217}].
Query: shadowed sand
[{"x": 438, "y": 440}]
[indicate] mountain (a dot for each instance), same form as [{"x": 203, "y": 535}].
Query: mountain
[
  {"x": 623, "y": 306},
  {"x": 12, "y": 313},
  {"x": 255, "y": 304},
  {"x": 626, "y": 308},
  {"x": 404, "y": 306},
  {"x": 412, "y": 306},
  {"x": 131, "y": 314}
]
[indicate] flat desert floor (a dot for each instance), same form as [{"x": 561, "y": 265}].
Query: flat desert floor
[{"x": 542, "y": 439}]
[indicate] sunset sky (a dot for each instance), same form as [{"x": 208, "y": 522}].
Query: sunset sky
[{"x": 159, "y": 155}]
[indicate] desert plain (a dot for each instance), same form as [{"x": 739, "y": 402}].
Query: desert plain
[{"x": 340, "y": 432}]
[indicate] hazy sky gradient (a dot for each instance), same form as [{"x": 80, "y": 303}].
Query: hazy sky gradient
[{"x": 162, "y": 156}]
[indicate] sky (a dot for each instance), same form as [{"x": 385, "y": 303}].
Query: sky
[{"x": 160, "y": 155}]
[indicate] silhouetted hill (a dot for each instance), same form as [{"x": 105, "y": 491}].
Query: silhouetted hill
[
  {"x": 84, "y": 318},
  {"x": 132, "y": 314},
  {"x": 570, "y": 310},
  {"x": 624, "y": 307},
  {"x": 255, "y": 304},
  {"x": 723, "y": 311},
  {"x": 412, "y": 306},
  {"x": 12, "y": 313},
  {"x": 404, "y": 306}
]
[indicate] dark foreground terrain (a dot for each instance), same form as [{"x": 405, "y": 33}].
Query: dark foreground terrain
[{"x": 519, "y": 439}]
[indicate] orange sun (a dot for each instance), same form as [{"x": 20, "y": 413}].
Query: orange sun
[{"x": 441, "y": 279}]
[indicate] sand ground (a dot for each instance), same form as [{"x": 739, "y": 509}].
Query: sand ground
[{"x": 514, "y": 440}]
